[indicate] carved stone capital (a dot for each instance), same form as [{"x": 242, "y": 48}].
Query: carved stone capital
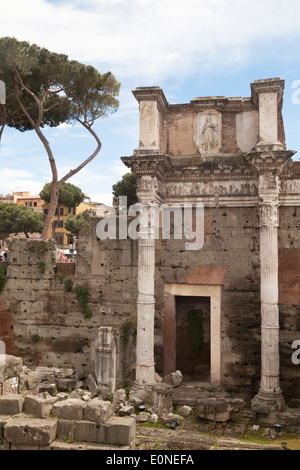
[
  {"x": 269, "y": 160},
  {"x": 268, "y": 213},
  {"x": 152, "y": 165}
]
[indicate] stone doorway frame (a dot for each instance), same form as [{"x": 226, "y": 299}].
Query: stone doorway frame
[{"x": 212, "y": 291}]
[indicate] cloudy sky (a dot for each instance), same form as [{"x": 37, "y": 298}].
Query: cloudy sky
[{"x": 189, "y": 48}]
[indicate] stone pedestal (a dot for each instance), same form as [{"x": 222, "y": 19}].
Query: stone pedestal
[{"x": 162, "y": 399}]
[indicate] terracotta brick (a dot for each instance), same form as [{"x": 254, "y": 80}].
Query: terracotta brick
[
  {"x": 229, "y": 144},
  {"x": 207, "y": 276},
  {"x": 289, "y": 277}
]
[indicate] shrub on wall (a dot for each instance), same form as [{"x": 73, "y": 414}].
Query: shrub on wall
[{"x": 2, "y": 277}]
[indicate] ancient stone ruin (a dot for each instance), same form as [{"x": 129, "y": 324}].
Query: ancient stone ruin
[{"x": 130, "y": 313}]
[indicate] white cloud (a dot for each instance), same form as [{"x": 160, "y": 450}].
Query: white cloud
[{"x": 151, "y": 39}]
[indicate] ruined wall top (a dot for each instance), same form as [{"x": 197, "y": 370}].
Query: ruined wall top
[{"x": 211, "y": 126}]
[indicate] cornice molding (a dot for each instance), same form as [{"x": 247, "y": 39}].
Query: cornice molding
[
  {"x": 274, "y": 85},
  {"x": 152, "y": 94}
]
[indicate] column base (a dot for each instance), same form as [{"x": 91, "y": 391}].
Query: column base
[
  {"x": 143, "y": 391},
  {"x": 268, "y": 403}
]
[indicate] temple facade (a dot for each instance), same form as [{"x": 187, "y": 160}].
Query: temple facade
[{"x": 230, "y": 155}]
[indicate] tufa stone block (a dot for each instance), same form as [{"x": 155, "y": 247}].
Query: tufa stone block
[
  {"x": 11, "y": 404},
  {"x": 31, "y": 431}
]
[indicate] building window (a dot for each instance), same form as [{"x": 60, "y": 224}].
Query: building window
[
  {"x": 46, "y": 211},
  {"x": 61, "y": 211},
  {"x": 58, "y": 224},
  {"x": 28, "y": 204},
  {"x": 35, "y": 204}
]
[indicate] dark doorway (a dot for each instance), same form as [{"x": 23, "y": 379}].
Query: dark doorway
[{"x": 193, "y": 337}]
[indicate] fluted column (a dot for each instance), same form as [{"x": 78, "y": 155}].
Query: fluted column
[
  {"x": 145, "y": 367},
  {"x": 269, "y": 398}
]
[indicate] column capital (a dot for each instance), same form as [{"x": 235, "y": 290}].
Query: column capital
[{"x": 269, "y": 159}]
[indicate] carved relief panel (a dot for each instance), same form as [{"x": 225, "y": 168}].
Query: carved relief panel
[{"x": 208, "y": 132}]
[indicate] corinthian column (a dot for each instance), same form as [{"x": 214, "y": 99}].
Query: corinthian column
[
  {"x": 269, "y": 398},
  {"x": 145, "y": 368}
]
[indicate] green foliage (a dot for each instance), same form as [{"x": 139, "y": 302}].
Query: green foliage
[
  {"x": 42, "y": 248},
  {"x": 18, "y": 219},
  {"x": 87, "y": 313},
  {"x": 82, "y": 295},
  {"x": 2, "y": 277},
  {"x": 69, "y": 195},
  {"x": 60, "y": 277},
  {"x": 42, "y": 267},
  {"x": 68, "y": 285},
  {"x": 35, "y": 338},
  {"x": 195, "y": 326},
  {"x": 68, "y": 90},
  {"x": 75, "y": 223},
  {"x": 127, "y": 186}
]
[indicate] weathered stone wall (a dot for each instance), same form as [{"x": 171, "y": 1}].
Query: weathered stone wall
[
  {"x": 289, "y": 297},
  {"x": 50, "y": 327},
  {"x": 229, "y": 257}
]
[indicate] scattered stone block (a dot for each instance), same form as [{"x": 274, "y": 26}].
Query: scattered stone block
[
  {"x": 142, "y": 417},
  {"x": 30, "y": 431},
  {"x": 71, "y": 408},
  {"x": 120, "y": 431},
  {"x": 153, "y": 418},
  {"x": 91, "y": 384},
  {"x": 185, "y": 410},
  {"x": 65, "y": 385},
  {"x": 126, "y": 410},
  {"x": 119, "y": 396},
  {"x": 255, "y": 429},
  {"x": 11, "y": 404},
  {"x": 135, "y": 401},
  {"x": 174, "y": 379},
  {"x": 218, "y": 409},
  {"x": 75, "y": 394},
  {"x": 98, "y": 410},
  {"x": 34, "y": 378},
  {"x": 62, "y": 395},
  {"x": 162, "y": 398},
  {"x": 10, "y": 366},
  {"x": 37, "y": 406},
  {"x": 48, "y": 387}
]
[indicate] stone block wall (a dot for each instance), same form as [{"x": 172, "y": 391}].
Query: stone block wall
[
  {"x": 50, "y": 325},
  {"x": 229, "y": 258},
  {"x": 289, "y": 297}
]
